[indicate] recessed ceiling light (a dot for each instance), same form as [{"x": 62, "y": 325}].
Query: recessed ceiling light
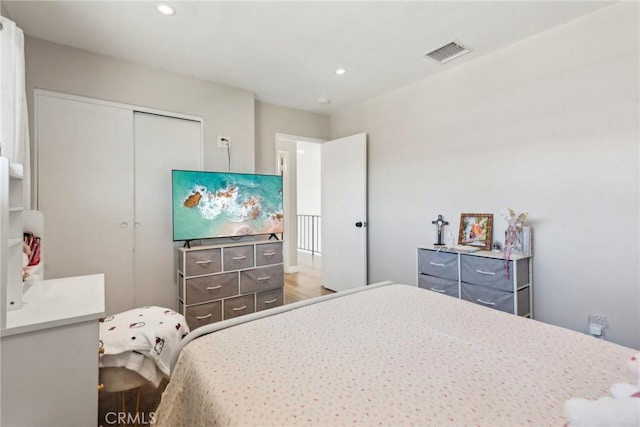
[
  {"x": 341, "y": 71},
  {"x": 165, "y": 9},
  {"x": 324, "y": 101}
]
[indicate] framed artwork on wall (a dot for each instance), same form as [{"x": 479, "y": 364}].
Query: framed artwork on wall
[{"x": 476, "y": 229}]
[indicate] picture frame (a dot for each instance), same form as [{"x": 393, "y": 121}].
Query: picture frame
[{"x": 476, "y": 229}]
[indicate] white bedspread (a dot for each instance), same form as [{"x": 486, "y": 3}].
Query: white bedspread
[{"x": 395, "y": 355}]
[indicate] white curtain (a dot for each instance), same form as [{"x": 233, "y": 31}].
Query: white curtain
[{"x": 14, "y": 124}]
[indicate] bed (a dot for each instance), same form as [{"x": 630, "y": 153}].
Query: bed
[{"x": 385, "y": 354}]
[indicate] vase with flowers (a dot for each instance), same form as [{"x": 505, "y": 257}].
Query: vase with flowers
[{"x": 512, "y": 237}]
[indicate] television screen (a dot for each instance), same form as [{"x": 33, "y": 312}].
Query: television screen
[{"x": 220, "y": 204}]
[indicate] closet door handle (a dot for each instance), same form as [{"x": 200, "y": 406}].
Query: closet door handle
[
  {"x": 436, "y": 264},
  {"x": 204, "y": 317},
  {"x": 136, "y": 225},
  {"x": 271, "y": 301},
  {"x": 239, "y": 308},
  {"x": 124, "y": 224},
  {"x": 485, "y": 302},
  {"x": 489, "y": 273},
  {"x": 204, "y": 262},
  {"x": 213, "y": 288}
]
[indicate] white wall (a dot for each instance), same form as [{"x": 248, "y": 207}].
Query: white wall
[
  {"x": 225, "y": 110},
  {"x": 308, "y": 179},
  {"x": 272, "y": 119},
  {"x": 548, "y": 126}
]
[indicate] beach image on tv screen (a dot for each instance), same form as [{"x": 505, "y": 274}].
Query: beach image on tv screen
[{"x": 217, "y": 204}]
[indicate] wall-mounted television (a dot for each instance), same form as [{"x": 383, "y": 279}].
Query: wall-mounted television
[{"x": 209, "y": 205}]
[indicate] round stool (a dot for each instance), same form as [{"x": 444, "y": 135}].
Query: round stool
[{"x": 113, "y": 380}]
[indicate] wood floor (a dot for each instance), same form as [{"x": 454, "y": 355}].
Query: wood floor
[{"x": 304, "y": 284}]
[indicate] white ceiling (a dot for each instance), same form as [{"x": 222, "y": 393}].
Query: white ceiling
[{"x": 287, "y": 52}]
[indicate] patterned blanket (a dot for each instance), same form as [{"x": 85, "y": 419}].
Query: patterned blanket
[{"x": 142, "y": 340}]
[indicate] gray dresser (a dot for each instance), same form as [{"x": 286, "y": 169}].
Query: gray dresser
[
  {"x": 223, "y": 281},
  {"x": 481, "y": 277}
]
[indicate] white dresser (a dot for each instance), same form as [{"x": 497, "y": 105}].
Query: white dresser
[{"x": 49, "y": 354}]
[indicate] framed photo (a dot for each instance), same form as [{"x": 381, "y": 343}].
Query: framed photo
[{"x": 476, "y": 230}]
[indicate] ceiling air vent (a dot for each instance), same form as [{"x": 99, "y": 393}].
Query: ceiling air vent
[{"x": 448, "y": 52}]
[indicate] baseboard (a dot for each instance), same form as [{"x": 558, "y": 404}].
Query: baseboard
[{"x": 291, "y": 269}]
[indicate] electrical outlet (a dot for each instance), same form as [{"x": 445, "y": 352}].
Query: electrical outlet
[
  {"x": 597, "y": 324},
  {"x": 224, "y": 142}
]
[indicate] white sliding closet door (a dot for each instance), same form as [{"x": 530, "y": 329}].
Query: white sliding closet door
[
  {"x": 104, "y": 187},
  {"x": 161, "y": 144},
  {"x": 85, "y": 191}
]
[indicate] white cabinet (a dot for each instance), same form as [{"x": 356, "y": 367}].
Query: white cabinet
[
  {"x": 49, "y": 360},
  {"x": 11, "y": 202},
  {"x": 104, "y": 186}
]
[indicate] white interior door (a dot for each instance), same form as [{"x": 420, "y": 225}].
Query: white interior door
[
  {"x": 344, "y": 212},
  {"x": 85, "y": 171},
  {"x": 161, "y": 143}
]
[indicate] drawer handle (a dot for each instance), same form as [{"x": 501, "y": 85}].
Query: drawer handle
[
  {"x": 264, "y": 278},
  {"x": 269, "y": 253},
  {"x": 490, "y": 273},
  {"x": 239, "y": 308},
  {"x": 271, "y": 301},
  {"x": 204, "y": 317},
  {"x": 436, "y": 264},
  {"x": 204, "y": 262},
  {"x": 239, "y": 257},
  {"x": 438, "y": 290},
  {"x": 213, "y": 288},
  {"x": 485, "y": 302}
]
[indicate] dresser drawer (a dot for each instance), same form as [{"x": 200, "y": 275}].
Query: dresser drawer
[
  {"x": 238, "y": 306},
  {"x": 489, "y": 297},
  {"x": 238, "y": 257},
  {"x": 208, "y": 288},
  {"x": 438, "y": 284},
  {"x": 261, "y": 279},
  {"x": 486, "y": 272},
  {"x": 202, "y": 262},
  {"x": 269, "y": 253},
  {"x": 203, "y": 314},
  {"x": 439, "y": 264},
  {"x": 269, "y": 299}
]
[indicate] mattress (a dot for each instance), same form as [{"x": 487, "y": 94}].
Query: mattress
[{"x": 390, "y": 355}]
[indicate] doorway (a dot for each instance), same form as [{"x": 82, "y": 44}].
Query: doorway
[{"x": 298, "y": 160}]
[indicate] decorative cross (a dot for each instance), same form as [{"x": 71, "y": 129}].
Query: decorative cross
[{"x": 439, "y": 224}]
